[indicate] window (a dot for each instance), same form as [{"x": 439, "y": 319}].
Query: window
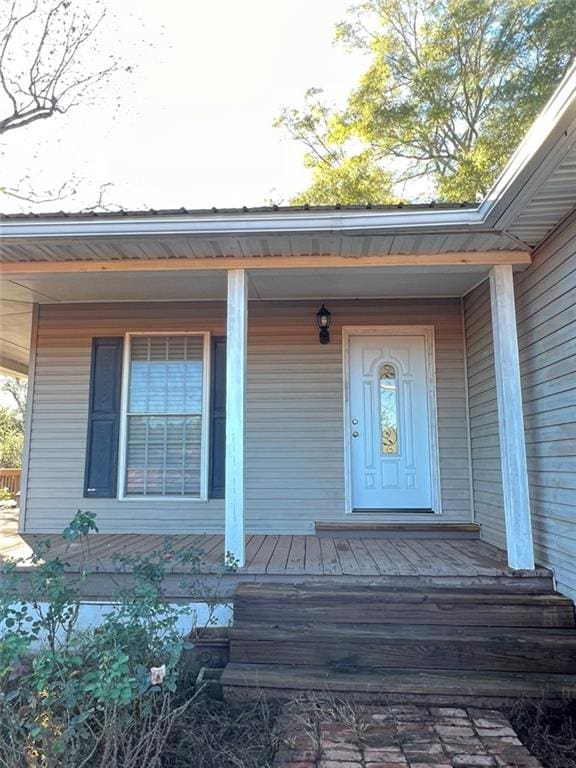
[
  {"x": 165, "y": 424},
  {"x": 389, "y": 410}
]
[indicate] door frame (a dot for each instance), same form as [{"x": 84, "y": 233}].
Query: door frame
[{"x": 427, "y": 331}]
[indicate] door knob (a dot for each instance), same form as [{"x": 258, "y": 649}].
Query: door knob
[
  {"x": 354, "y": 421},
  {"x": 354, "y": 434}
]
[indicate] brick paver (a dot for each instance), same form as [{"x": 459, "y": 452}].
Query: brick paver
[{"x": 401, "y": 737}]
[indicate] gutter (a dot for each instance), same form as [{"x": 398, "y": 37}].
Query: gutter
[{"x": 337, "y": 223}]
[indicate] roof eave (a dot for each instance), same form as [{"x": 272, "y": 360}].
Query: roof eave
[{"x": 338, "y": 223}]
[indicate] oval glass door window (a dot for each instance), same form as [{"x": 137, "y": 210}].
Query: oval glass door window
[{"x": 389, "y": 410}]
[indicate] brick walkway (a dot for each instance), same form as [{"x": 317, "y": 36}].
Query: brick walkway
[{"x": 399, "y": 737}]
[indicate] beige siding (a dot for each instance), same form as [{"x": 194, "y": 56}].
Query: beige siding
[
  {"x": 546, "y": 311},
  {"x": 294, "y": 446}
]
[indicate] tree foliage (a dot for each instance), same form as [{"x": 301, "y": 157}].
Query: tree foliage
[
  {"x": 11, "y": 439},
  {"x": 450, "y": 89},
  {"x": 12, "y": 422}
]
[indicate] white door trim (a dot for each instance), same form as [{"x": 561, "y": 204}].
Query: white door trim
[{"x": 393, "y": 330}]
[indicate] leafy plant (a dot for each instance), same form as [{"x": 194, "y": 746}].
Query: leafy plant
[{"x": 70, "y": 698}]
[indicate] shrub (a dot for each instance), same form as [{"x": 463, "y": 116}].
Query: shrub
[{"x": 71, "y": 698}]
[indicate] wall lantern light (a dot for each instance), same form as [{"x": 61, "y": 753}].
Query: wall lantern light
[{"x": 323, "y": 318}]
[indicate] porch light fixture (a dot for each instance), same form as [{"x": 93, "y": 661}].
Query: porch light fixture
[{"x": 323, "y": 318}]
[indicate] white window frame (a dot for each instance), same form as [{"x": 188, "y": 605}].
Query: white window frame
[{"x": 205, "y": 435}]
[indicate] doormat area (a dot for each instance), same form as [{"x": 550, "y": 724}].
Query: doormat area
[{"x": 349, "y": 736}]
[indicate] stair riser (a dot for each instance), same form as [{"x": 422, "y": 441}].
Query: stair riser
[
  {"x": 337, "y": 610},
  {"x": 356, "y": 653}
]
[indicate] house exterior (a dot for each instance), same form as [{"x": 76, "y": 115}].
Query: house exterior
[{"x": 178, "y": 383}]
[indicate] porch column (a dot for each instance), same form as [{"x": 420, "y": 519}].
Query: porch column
[
  {"x": 236, "y": 344},
  {"x": 511, "y": 420}
]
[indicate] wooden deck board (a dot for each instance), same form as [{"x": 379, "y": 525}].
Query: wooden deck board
[
  {"x": 433, "y": 555},
  {"x": 382, "y": 559},
  {"x": 346, "y": 557},
  {"x": 330, "y": 561},
  {"x": 279, "y": 558},
  {"x": 261, "y": 559},
  {"x": 365, "y": 561},
  {"x": 451, "y": 555},
  {"x": 297, "y": 557},
  {"x": 398, "y": 557},
  {"x": 313, "y": 563},
  {"x": 253, "y": 546}
]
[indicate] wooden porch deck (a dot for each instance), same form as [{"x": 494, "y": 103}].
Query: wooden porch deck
[
  {"x": 354, "y": 558},
  {"x": 276, "y": 555}
]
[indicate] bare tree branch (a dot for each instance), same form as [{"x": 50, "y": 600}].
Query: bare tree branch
[{"x": 42, "y": 73}]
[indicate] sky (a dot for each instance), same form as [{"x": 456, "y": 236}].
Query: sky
[{"x": 194, "y": 123}]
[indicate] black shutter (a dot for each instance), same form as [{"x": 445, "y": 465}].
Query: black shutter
[
  {"x": 103, "y": 418},
  {"x": 218, "y": 419}
]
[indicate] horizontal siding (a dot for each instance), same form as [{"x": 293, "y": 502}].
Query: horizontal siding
[
  {"x": 294, "y": 420},
  {"x": 484, "y": 440},
  {"x": 546, "y": 319}
]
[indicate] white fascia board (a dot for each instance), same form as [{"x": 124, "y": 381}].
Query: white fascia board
[
  {"x": 553, "y": 123},
  {"x": 339, "y": 222}
]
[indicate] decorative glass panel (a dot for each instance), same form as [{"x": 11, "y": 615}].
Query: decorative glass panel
[
  {"x": 165, "y": 404},
  {"x": 389, "y": 409}
]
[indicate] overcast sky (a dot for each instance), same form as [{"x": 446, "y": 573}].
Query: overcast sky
[{"x": 194, "y": 127}]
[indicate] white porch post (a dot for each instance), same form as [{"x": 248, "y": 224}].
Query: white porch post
[
  {"x": 511, "y": 420},
  {"x": 236, "y": 344}
]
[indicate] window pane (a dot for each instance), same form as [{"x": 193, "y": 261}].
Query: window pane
[
  {"x": 163, "y": 455},
  {"x": 164, "y": 428},
  {"x": 166, "y": 374},
  {"x": 389, "y": 409}
]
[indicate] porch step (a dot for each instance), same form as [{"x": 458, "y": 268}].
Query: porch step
[
  {"x": 428, "y": 642},
  {"x": 366, "y": 647},
  {"x": 395, "y": 686},
  {"x": 398, "y": 530},
  {"x": 380, "y": 606}
]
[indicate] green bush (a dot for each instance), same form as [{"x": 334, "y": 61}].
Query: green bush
[{"x": 72, "y": 698}]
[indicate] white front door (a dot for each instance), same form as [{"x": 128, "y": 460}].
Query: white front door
[{"x": 390, "y": 423}]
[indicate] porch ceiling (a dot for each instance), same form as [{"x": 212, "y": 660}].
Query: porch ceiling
[{"x": 19, "y": 291}]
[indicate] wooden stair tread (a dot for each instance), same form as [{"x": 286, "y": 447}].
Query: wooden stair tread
[
  {"x": 381, "y": 605},
  {"x": 394, "y": 594},
  {"x": 315, "y": 632},
  {"x": 403, "y": 682}
]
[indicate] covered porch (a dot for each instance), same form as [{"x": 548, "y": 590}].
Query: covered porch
[{"x": 265, "y": 306}]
